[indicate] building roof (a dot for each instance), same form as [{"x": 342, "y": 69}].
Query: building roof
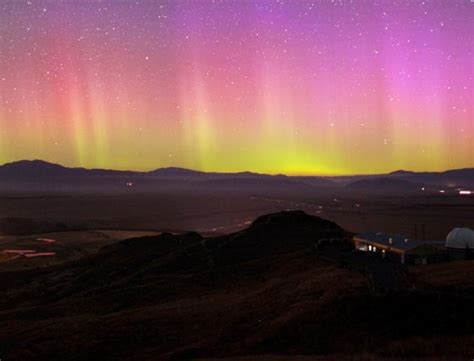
[
  {"x": 400, "y": 242},
  {"x": 460, "y": 238}
]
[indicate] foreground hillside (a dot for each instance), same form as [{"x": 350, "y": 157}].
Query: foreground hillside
[{"x": 263, "y": 291}]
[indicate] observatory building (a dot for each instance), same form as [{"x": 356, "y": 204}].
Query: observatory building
[
  {"x": 400, "y": 248},
  {"x": 460, "y": 243}
]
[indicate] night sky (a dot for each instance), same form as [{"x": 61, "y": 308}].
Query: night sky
[{"x": 296, "y": 87}]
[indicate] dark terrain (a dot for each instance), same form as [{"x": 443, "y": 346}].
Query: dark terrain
[
  {"x": 39, "y": 197},
  {"x": 129, "y": 281},
  {"x": 265, "y": 290}
]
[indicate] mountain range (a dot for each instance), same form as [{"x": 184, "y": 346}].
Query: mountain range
[{"x": 38, "y": 171}]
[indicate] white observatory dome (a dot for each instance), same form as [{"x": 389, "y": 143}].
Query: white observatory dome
[{"x": 460, "y": 238}]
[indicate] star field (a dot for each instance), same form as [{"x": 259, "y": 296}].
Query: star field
[{"x": 296, "y": 87}]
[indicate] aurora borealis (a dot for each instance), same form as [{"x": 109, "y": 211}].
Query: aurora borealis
[{"x": 296, "y": 87}]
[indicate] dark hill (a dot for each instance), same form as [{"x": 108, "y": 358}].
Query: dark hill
[
  {"x": 33, "y": 170},
  {"x": 402, "y": 172},
  {"x": 176, "y": 172},
  {"x": 270, "y": 234}
]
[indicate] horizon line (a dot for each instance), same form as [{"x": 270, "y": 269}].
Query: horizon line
[{"x": 234, "y": 172}]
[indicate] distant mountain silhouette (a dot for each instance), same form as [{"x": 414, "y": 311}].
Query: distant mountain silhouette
[
  {"x": 175, "y": 172},
  {"x": 27, "y": 168},
  {"x": 37, "y": 174},
  {"x": 384, "y": 184},
  {"x": 450, "y": 178},
  {"x": 454, "y": 177},
  {"x": 38, "y": 171},
  {"x": 402, "y": 172},
  {"x": 32, "y": 169}
]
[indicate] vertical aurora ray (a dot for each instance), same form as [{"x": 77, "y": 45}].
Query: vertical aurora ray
[{"x": 298, "y": 87}]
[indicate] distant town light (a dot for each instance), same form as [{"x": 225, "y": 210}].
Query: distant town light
[
  {"x": 465, "y": 193},
  {"x": 129, "y": 184},
  {"x": 19, "y": 251},
  {"x": 46, "y": 240},
  {"x": 441, "y": 191}
]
